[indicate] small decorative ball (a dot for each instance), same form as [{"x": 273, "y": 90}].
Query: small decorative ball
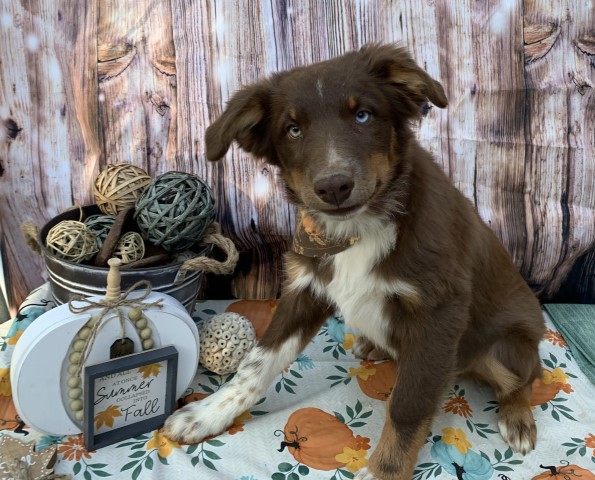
[
  {"x": 76, "y": 405},
  {"x": 79, "y": 415},
  {"x": 71, "y": 240},
  {"x": 148, "y": 344},
  {"x": 118, "y": 186},
  {"x": 129, "y": 248},
  {"x": 224, "y": 341},
  {"x": 175, "y": 210},
  {"x": 100, "y": 225}
]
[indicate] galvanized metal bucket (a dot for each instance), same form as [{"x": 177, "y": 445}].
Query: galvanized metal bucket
[{"x": 180, "y": 280}]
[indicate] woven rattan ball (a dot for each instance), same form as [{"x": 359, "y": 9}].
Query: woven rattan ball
[
  {"x": 130, "y": 248},
  {"x": 100, "y": 225},
  {"x": 72, "y": 241},
  {"x": 175, "y": 210},
  {"x": 224, "y": 341},
  {"x": 118, "y": 186}
]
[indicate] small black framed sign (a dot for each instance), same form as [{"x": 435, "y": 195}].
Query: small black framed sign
[{"x": 128, "y": 396}]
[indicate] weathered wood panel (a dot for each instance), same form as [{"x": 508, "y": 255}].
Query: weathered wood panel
[{"x": 139, "y": 81}]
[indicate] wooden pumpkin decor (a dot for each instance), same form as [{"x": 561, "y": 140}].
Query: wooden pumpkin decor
[
  {"x": 379, "y": 384},
  {"x": 84, "y": 332},
  {"x": 315, "y": 438},
  {"x": 564, "y": 472}
]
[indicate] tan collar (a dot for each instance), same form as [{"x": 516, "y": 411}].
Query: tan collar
[{"x": 311, "y": 240}]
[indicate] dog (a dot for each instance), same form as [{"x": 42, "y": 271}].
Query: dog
[{"x": 421, "y": 276}]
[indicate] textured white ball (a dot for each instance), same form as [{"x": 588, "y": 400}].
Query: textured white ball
[{"x": 220, "y": 348}]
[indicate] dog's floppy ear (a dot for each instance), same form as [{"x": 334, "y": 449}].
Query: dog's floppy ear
[
  {"x": 394, "y": 65},
  {"x": 246, "y": 120}
]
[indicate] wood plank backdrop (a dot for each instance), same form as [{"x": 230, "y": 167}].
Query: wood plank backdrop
[{"x": 83, "y": 84}]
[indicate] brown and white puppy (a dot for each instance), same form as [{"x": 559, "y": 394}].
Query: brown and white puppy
[{"x": 426, "y": 280}]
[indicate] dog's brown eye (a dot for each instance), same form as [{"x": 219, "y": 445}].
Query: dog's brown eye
[
  {"x": 362, "y": 117},
  {"x": 294, "y": 131}
]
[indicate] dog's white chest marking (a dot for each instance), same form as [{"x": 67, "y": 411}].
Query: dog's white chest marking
[{"x": 358, "y": 292}]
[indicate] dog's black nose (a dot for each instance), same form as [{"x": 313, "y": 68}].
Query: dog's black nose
[{"x": 334, "y": 189}]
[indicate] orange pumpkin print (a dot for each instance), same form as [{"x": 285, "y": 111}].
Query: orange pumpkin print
[
  {"x": 259, "y": 312},
  {"x": 565, "y": 472},
  {"x": 315, "y": 438},
  {"x": 546, "y": 389},
  {"x": 378, "y": 384}
]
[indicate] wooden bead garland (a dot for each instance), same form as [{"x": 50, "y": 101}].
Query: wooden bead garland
[
  {"x": 118, "y": 186},
  {"x": 224, "y": 341},
  {"x": 84, "y": 339},
  {"x": 72, "y": 240},
  {"x": 100, "y": 226},
  {"x": 130, "y": 248},
  {"x": 175, "y": 210}
]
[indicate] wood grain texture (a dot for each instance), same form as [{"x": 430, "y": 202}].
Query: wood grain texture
[{"x": 139, "y": 81}]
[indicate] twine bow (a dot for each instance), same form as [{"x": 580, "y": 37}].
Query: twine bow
[{"x": 106, "y": 306}]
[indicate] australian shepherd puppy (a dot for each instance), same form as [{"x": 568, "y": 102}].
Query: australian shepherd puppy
[{"x": 419, "y": 274}]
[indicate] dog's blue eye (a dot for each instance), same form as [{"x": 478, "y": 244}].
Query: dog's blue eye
[
  {"x": 362, "y": 117},
  {"x": 294, "y": 131}
]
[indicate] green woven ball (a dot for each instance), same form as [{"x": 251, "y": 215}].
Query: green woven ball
[
  {"x": 100, "y": 225},
  {"x": 175, "y": 210}
]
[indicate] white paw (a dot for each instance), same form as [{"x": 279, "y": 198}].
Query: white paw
[
  {"x": 520, "y": 436},
  {"x": 198, "y": 420}
]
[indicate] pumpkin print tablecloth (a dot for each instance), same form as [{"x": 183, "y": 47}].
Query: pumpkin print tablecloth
[{"x": 322, "y": 416}]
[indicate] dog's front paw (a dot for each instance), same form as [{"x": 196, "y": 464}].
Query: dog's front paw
[{"x": 195, "y": 422}]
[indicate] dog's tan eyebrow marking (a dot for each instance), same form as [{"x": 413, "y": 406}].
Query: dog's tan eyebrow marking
[
  {"x": 293, "y": 114},
  {"x": 319, "y": 87},
  {"x": 352, "y": 102}
]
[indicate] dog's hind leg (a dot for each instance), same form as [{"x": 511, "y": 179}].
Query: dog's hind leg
[
  {"x": 510, "y": 369},
  {"x": 297, "y": 318}
]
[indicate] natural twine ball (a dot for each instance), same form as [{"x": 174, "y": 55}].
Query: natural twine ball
[
  {"x": 71, "y": 240},
  {"x": 224, "y": 341},
  {"x": 100, "y": 225},
  {"x": 130, "y": 248},
  {"x": 175, "y": 210},
  {"x": 118, "y": 186}
]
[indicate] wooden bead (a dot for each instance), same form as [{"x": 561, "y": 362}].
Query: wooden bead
[
  {"x": 72, "y": 369},
  {"x": 148, "y": 344},
  {"x": 74, "y": 382},
  {"x": 145, "y": 333},
  {"x": 76, "y": 405},
  {"x": 79, "y": 415},
  {"x": 75, "y": 393},
  {"x": 135, "y": 314},
  {"x": 142, "y": 323},
  {"x": 84, "y": 333},
  {"x": 75, "y": 357},
  {"x": 78, "y": 345}
]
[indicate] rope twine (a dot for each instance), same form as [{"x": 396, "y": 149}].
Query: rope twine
[
  {"x": 212, "y": 236},
  {"x": 106, "y": 306}
]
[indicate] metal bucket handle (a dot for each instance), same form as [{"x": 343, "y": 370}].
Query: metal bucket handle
[{"x": 212, "y": 236}]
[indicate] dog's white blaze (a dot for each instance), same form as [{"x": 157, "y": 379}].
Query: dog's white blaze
[
  {"x": 212, "y": 415},
  {"x": 358, "y": 293}
]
